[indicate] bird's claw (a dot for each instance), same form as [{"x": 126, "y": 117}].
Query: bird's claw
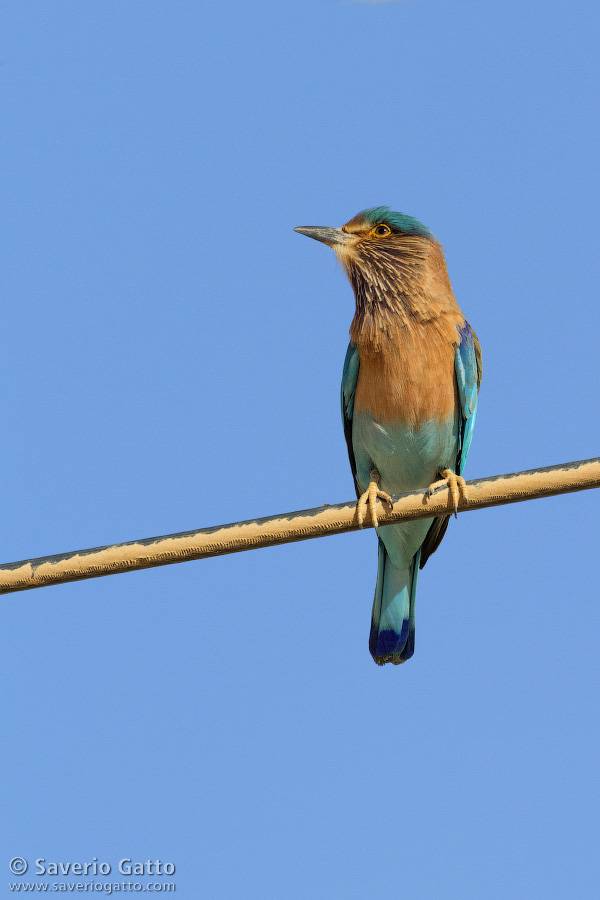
[
  {"x": 368, "y": 500},
  {"x": 456, "y": 484}
]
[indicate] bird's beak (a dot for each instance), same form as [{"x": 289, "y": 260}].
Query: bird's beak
[{"x": 329, "y": 236}]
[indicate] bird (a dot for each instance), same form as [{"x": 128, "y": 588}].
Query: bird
[{"x": 410, "y": 386}]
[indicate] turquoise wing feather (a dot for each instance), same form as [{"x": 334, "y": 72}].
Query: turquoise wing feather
[
  {"x": 467, "y": 365},
  {"x": 468, "y": 370}
]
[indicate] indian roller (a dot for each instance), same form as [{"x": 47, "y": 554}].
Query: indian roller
[{"x": 409, "y": 395}]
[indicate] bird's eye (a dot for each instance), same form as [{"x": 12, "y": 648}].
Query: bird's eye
[{"x": 382, "y": 230}]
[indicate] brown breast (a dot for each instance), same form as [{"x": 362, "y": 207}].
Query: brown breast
[{"x": 410, "y": 376}]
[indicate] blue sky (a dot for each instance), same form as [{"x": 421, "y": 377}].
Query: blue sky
[{"x": 171, "y": 360}]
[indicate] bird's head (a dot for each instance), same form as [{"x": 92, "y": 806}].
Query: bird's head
[
  {"x": 374, "y": 233},
  {"x": 387, "y": 256}
]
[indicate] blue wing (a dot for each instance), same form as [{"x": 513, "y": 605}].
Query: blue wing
[
  {"x": 349, "y": 380},
  {"x": 467, "y": 365}
]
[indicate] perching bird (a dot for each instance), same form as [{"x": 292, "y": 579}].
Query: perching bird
[{"x": 409, "y": 394}]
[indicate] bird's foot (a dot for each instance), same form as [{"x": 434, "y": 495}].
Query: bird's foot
[
  {"x": 456, "y": 485},
  {"x": 368, "y": 500}
]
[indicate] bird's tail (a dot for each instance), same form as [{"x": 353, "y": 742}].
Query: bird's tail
[{"x": 392, "y": 637}]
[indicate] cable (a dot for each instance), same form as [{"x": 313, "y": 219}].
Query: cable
[{"x": 294, "y": 526}]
